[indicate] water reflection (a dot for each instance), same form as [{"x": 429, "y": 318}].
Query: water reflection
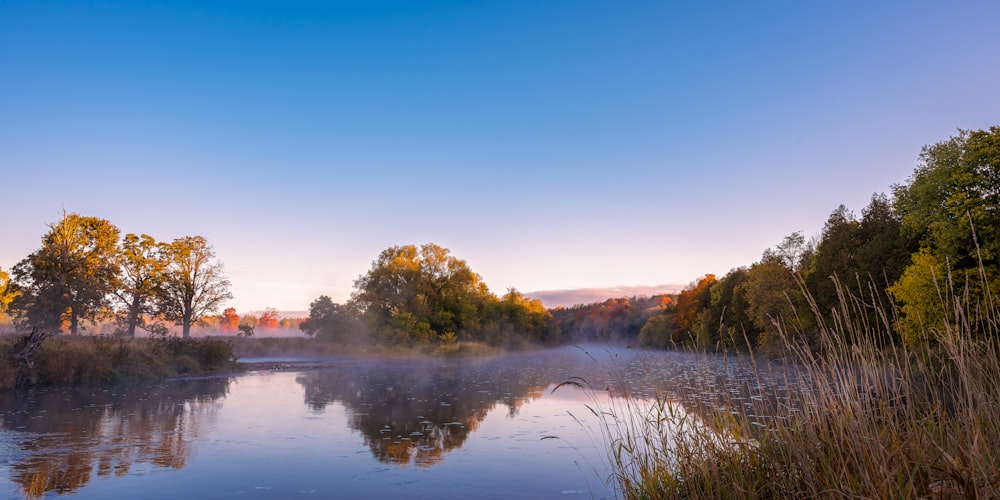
[
  {"x": 415, "y": 412},
  {"x": 63, "y": 437},
  {"x": 356, "y": 416}
]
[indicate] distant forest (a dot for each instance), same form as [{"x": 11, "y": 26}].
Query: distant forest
[{"x": 919, "y": 260}]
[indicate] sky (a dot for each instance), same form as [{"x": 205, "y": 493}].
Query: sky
[{"x": 553, "y": 145}]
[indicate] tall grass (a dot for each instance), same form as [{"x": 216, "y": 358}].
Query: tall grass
[
  {"x": 871, "y": 418},
  {"x": 65, "y": 360}
]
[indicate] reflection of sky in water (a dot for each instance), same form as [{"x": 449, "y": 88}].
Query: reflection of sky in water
[{"x": 388, "y": 428}]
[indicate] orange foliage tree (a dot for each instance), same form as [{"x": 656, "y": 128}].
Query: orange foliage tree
[
  {"x": 268, "y": 320},
  {"x": 691, "y": 301},
  {"x": 230, "y": 320}
]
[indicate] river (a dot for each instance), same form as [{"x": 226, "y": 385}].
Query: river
[{"x": 497, "y": 427}]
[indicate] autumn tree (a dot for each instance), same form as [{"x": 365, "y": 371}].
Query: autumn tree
[
  {"x": 6, "y": 293},
  {"x": 268, "y": 320},
  {"x": 71, "y": 276},
  {"x": 230, "y": 320},
  {"x": 726, "y": 321},
  {"x": 141, "y": 263},
  {"x": 690, "y": 302},
  {"x": 416, "y": 294},
  {"x": 194, "y": 283}
]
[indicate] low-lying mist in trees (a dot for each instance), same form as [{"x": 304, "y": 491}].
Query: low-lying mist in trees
[
  {"x": 84, "y": 271},
  {"x": 423, "y": 296}
]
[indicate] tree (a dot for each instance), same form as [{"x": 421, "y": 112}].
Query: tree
[
  {"x": 268, "y": 320},
  {"x": 854, "y": 263},
  {"x": 331, "y": 321},
  {"x": 418, "y": 294},
  {"x": 955, "y": 188},
  {"x": 773, "y": 293},
  {"x": 142, "y": 264},
  {"x": 71, "y": 276},
  {"x": 230, "y": 320},
  {"x": 727, "y": 319},
  {"x": 834, "y": 264},
  {"x": 194, "y": 285},
  {"x": 691, "y": 301},
  {"x": 6, "y": 293},
  {"x": 515, "y": 316},
  {"x": 951, "y": 205},
  {"x": 656, "y": 333}
]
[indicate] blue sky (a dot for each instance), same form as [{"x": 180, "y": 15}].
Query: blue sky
[{"x": 551, "y": 144}]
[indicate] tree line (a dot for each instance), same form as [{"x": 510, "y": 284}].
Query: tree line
[
  {"x": 912, "y": 265},
  {"x": 85, "y": 270}
]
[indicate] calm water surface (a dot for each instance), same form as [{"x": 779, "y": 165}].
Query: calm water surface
[{"x": 350, "y": 428}]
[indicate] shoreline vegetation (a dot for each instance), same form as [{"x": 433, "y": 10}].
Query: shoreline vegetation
[
  {"x": 66, "y": 360},
  {"x": 867, "y": 420}
]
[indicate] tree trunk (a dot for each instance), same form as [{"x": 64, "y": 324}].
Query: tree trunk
[
  {"x": 186, "y": 322},
  {"x": 133, "y": 318}
]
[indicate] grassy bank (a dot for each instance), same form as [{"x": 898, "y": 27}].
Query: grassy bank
[
  {"x": 873, "y": 421},
  {"x": 298, "y": 346},
  {"x": 65, "y": 360}
]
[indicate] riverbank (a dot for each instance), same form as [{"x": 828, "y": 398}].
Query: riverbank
[
  {"x": 867, "y": 421},
  {"x": 274, "y": 347},
  {"x": 88, "y": 361}
]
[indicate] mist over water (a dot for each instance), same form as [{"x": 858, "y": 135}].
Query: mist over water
[{"x": 350, "y": 427}]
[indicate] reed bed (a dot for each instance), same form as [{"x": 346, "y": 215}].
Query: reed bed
[
  {"x": 89, "y": 361},
  {"x": 872, "y": 418}
]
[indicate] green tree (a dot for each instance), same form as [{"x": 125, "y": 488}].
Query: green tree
[
  {"x": 774, "y": 295},
  {"x": 70, "y": 276},
  {"x": 955, "y": 188},
  {"x": 142, "y": 264},
  {"x": 418, "y": 294},
  {"x": 656, "y": 333},
  {"x": 951, "y": 205},
  {"x": 727, "y": 321},
  {"x": 194, "y": 284},
  {"x": 515, "y": 316},
  {"x": 331, "y": 321}
]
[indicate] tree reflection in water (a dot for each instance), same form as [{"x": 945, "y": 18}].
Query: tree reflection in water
[
  {"x": 65, "y": 435},
  {"x": 413, "y": 412}
]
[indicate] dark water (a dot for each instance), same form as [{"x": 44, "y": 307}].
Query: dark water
[{"x": 352, "y": 428}]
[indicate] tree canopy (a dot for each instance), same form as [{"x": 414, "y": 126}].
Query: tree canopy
[
  {"x": 142, "y": 265},
  {"x": 424, "y": 295},
  {"x": 419, "y": 294},
  {"x": 194, "y": 284},
  {"x": 84, "y": 272},
  {"x": 70, "y": 276}
]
